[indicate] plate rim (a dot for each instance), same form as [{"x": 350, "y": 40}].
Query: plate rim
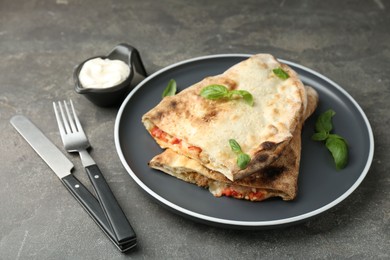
[{"x": 237, "y": 223}]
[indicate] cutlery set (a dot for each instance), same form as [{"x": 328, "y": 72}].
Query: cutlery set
[{"x": 104, "y": 208}]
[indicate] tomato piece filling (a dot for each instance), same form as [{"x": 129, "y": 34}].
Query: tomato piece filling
[
  {"x": 166, "y": 138},
  {"x": 231, "y": 192}
]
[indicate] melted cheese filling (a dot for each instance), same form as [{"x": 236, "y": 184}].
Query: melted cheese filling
[{"x": 216, "y": 188}]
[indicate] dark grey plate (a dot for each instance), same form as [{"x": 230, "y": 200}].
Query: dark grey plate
[{"x": 320, "y": 186}]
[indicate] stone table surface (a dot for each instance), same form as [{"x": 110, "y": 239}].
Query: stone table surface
[{"x": 41, "y": 42}]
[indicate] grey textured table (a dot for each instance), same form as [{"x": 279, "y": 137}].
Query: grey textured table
[{"x": 41, "y": 42}]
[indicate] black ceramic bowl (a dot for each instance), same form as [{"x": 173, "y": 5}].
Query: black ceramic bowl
[{"x": 112, "y": 96}]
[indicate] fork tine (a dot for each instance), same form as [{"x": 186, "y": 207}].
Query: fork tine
[
  {"x": 59, "y": 120},
  {"x": 64, "y": 119},
  {"x": 76, "y": 118},
  {"x": 70, "y": 118}
]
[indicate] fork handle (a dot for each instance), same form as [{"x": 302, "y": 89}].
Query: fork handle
[
  {"x": 117, "y": 219},
  {"x": 92, "y": 207}
]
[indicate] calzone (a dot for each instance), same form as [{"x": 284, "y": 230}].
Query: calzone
[
  {"x": 278, "y": 179},
  {"x": 199, "y": 128}
]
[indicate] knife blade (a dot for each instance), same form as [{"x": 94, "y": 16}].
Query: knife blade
[{"x": 62, "y": 167}]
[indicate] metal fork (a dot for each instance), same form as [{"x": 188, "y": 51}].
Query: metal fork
[{"x": 75, "y": 140}]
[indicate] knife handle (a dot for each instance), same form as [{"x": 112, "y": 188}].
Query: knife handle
[
  {"x": 92, "y": 207},
  {"x": 88, "y": 201},
  {"x": 116, "y": 218}
]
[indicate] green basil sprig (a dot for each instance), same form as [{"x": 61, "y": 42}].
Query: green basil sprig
[
  {"x": 170, "y": 89},
  {"x": 336, "y": 144},
  {"x": 242, "y": 158},
  {"x": 280, "y": 73},
  {"x": 216, "y": 91}
]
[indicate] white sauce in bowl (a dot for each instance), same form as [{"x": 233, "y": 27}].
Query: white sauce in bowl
[{"x": 99, "y": 73}]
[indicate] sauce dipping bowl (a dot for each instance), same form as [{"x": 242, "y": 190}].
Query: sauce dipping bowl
[{"x": 113, "y": 96}]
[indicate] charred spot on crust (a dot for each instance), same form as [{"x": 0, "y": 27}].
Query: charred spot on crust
[
  {"x": 187, "y": 113},
  {"x": 268, "y": 145},
  {"x": 157, "y": 116},
  {"x": 209, "y": 116},
  {"x": 231, "y": 84},
  {"x": 273, "y": 171},
  {"x": 263, "y": 158},
  {"x": 173, "y": 104}
]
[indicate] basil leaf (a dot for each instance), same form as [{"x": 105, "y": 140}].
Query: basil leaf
[
  {"x": 280, "y": 73},
  {"x": 235, "y": 146},
  {"x": 214, "y": 92},
  {"x": 170, "y": 89},
  {"x": 324, "y": 121},
  {"x": 248, "y": 98},
  {"x": 336, "y": 144},
  {"x": 321, "y": 136},
  {"x": 338, "y": 137},
  {"x": 339, "y": 150},
  {"x": 243, "y": 160}
]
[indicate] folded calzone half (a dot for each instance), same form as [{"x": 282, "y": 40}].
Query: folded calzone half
[
  {"x": 200, "y": 128},
  {"x": 278, "y": 179}
]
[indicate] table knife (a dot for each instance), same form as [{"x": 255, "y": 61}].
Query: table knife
[{"x": 62, "y": 167}]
